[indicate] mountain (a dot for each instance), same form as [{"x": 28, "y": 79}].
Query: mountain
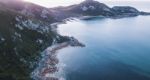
[
  {"x": 95, "y": 8},
  {"x": 30, "y": 9},
  {"x": 86, "y": 8},
  {"x": 91, "y": 8},
  {"x": 25, "y": 31}
]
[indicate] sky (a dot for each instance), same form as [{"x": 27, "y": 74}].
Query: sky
[{"x": 55, "y": 3}]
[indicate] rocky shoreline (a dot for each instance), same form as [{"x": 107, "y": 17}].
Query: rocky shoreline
[
  {"x": 47, "y": 66},
  {"x": 27, "y": 29}
]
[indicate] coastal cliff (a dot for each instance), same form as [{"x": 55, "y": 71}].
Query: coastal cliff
[
  {"x": 26, "y": 30},
  {"x": 24, "y": 34}
]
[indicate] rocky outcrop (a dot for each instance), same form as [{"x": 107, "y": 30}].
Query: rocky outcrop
[
  {"x": 48, "y": 65},
  {"x": 144, "y": 13}
]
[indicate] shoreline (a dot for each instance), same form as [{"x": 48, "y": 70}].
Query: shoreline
[{"x": 47, "y": 66}]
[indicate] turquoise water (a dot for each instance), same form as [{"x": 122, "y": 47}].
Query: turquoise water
[{"x": 116, "y": 49}]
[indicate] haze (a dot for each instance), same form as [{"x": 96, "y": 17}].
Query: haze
[{"x": 55, "y": 3}]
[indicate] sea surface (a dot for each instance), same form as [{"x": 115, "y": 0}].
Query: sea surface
[{"x": 116, "y": 49}]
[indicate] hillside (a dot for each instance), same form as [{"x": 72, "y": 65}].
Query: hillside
[
  {"x": 26, "y": 30},
  {"x": 95, "y": 8},
  {"x": 22, "y": 38}
]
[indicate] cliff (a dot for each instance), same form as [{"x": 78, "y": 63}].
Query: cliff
[{"x": 25, "y": 31}]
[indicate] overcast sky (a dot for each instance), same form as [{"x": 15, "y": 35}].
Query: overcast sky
[{"x": 54, "y": 3}]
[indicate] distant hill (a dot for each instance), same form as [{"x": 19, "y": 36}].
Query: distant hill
[
  {"x": 25, "y": 31},
  {"x": 95, "y": 8}
]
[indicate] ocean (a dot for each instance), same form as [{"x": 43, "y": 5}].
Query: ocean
[{"x": 116, "y": 49}]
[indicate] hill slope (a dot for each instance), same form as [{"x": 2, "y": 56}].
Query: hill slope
[
  {"x": 22, "y": 38},
  {"x": 25, "y": 31},
  {"x": 95, "y": 8}
]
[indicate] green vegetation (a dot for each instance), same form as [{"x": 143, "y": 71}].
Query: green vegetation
[{"x": 20, "y": 48}]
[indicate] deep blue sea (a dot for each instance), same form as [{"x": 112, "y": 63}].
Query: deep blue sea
[{"x": 116, "y": 49}]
